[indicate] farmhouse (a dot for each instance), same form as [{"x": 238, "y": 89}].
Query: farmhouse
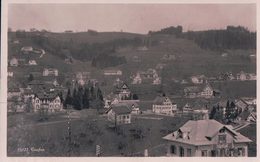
[
  {"x": 123, "y": 92},
  {"x": 27, "y": 49},
  {"x": 119, "y": 114},
  {"x": 206, "y": 138},
  {"x": 205, "y": 91},
  {"x": 13, "y": 92},
  {"x": 13, "y": 62},
  {"x": 49, "y": 102},
  {"x": 168, "y": 57},
  {"x": 163, "y": 105},
  {"x": 198, "y": 79},
  {"x": 50, "y": 72},
  {"x": 247, "y": 116},
  {"x": 112, "y": 72},
  {"x": 32, "y": 62},
  {"x": 242, "y": 76},
  {"x": 137, "y": 79}
]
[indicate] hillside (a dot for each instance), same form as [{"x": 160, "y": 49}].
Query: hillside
[{"x": 139, "y": 51}]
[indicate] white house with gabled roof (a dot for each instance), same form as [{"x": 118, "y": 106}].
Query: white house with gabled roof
[{"x": 206, "y": 138}]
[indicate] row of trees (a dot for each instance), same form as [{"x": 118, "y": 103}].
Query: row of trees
[
  {"x": 230, "y": 38},
  {"x": 226, "y": 115},
  {"x": 84, "y": 98}
]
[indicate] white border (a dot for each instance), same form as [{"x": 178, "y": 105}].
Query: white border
[{"x": 3, "y": 83}]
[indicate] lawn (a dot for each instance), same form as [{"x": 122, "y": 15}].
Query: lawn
[{"x": 127, "y": 140}]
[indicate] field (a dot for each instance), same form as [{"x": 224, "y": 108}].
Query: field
[{"x": 52, "y": 136}]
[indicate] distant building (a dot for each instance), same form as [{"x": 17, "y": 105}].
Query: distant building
[
  {"x": 10, "y": 74},
  {"x": 49, "y": 102},
  {"x": 137, "y": 79},
  {"x": 163, "y": 105},
  {"x": 112, "y": 72},
  {"x": 13, "y": 62},
  {"x": 124, "y": 92},
  {"x": 50, "y": 72},
  {"x": 157, "y": 81},
  {"x": 205, "y": 91},
  {"x": 204, "y": 138},
  {"x": 198, "y": 79},
  {"x": 242, "y": 76},
  {"x": 135, "y": 108},
  {"x": 241, "y": 105},
  {"x": 13, "y": 92},
  {"x": 247, "y": 116},
  {"x": 142, "y": 48},
  {"x": 119, "y": 114},
  {"x": 32, "y": 62},
  {"x": 27, "y": 49},
  {"x": 168, "y": 57}
]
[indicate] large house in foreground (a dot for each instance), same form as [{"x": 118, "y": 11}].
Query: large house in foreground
[
  {"x": 163, "y": 105},
  {"x": 206, "y": 138}
]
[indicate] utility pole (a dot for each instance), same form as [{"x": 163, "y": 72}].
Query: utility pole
[{"x": 69, "y": 134}]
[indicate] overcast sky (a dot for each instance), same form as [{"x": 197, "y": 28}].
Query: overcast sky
[{"x": 138, "y": 18}]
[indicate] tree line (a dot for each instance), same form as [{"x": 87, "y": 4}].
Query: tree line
[{"x": 84, "y": 97}]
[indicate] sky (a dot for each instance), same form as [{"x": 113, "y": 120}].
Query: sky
[{"x": 135, "y": 18}]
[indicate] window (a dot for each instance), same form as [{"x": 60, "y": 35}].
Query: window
[
  {"x": 189, "y": 152},
  {"x": 124, "y": 117},
  {"x": 127, "y": 117},
  {"x": 181, "y": 151},
  {"x": 173, "y": 149},
  {"x": 204, "y": 153},
  {"x": 222, "y": 139},
  {"x": 213, "y": 153}
]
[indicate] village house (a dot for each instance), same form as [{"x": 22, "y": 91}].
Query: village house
[
  {"x": 135, "y": 108},
  {"x": 163, "y": 105},
  {"x": 119, "y": 114},
  {"x": 27, "y": 49},
  {"x": 198, "y": 79},
  {"x": 200, "y": 114},
  {"x": 168, "y": 57},
  {"x": 13, "y": 62},
  {"x": 32, "y": 62},
  {"x": 13, "y": 92},
  {"x": 242, "y": 76},
  {"x": 50, "y": 72},
  {"x": 251, "y": 76},
  {"x": 157, "y": 81},
  {"x": 49, "y": 102},
  {"x": 123, "y": 92},
  {"x": 205, "y": 91},
  {"x": 142, "y": 48},
  {"x": 10, "y": 74},
  {"x": 160, "y": 66},
  {"x": 112, "y": 72},
  {"x": 137, "y": 79},
  {"x": 247, "y": 116},
  {"x": 206, "y": 138},
  {"x": 241, "y": 105}
]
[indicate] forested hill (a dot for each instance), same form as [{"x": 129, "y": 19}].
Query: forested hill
[{"x": 230, "y": 38}]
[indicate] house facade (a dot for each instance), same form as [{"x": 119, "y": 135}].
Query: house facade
[
  {"x": 206, "y": 138},
  {"x": 205, "y": 91},
  {"x": 198, "y": 79},
  {"x": 50, "y": 72},
  {"x": 113, "y": 72},
  {"x": 13, "y": 62},
  {"x": 119, "y": 114},
  {"x": 163, "y": 105},
  {"x": 49, "y": 102}
]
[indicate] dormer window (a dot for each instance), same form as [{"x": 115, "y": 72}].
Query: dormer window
[{"x": 222, "y": 138}]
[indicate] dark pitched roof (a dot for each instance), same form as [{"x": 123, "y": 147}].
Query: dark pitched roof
[
  {"x": 159, "y": 100},
  {"x": 48, "y": 96},
  {"x": 121, "y": 109}
]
